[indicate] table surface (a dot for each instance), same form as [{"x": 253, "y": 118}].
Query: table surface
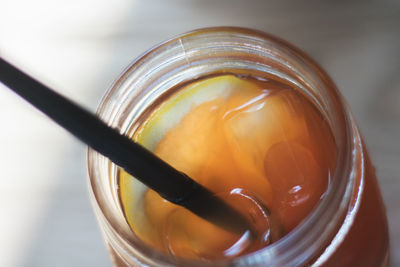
[{"x": 80, "y": 46}]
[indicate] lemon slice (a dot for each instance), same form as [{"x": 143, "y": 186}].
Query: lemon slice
[
  {"x": 165, "y": 117},
  {"x": 171, "y": 112}
]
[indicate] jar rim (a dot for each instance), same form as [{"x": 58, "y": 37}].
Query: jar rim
[{"x": 339, "y": 192}]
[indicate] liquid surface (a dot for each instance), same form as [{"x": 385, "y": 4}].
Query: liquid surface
[{"x": 256, "y": 143}]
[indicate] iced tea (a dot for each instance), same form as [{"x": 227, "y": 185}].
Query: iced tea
[
  {"x": 260, "y": 124},
  {"x": 253, "y": 141}
]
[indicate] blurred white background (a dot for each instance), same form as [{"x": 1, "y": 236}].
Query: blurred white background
[{"x": 79, "y": 47}]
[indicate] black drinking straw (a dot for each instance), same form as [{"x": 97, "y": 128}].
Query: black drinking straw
[{"x": 171, "y": 184}]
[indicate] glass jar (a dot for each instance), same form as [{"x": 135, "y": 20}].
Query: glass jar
[{"x": 348, "y": 226}]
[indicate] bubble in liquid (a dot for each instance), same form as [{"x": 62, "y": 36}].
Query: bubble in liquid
[{"x": 189, "y": 235}]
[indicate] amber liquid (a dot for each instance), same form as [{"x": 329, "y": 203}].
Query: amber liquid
[
  {"x": 259, "y": 144},
  {"x": 366, "y": 244}
]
